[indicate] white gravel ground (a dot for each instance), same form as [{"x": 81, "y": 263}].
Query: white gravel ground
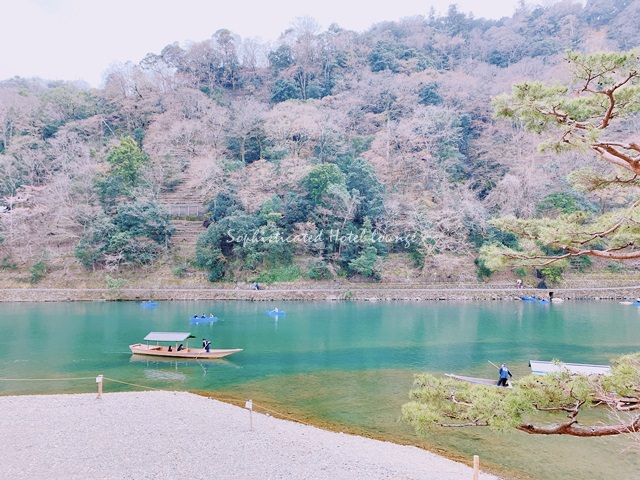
[{"x": 166, "y": 435}]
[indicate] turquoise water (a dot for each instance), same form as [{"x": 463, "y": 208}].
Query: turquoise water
[{"x": 349, "y": 365}]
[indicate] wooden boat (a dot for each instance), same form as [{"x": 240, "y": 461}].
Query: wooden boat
[
  {"x": 172, "y": 351},
  {"x": 541, "y": 367},
  {"x": 480, "y": 381}
]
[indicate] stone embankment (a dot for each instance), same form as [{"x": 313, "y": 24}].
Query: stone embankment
[{"x": 340, "y": 291}]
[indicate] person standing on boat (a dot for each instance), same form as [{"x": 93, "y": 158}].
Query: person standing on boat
[
  {"x": 504, "y": 373},
  {"x": 206, "y": 344}
]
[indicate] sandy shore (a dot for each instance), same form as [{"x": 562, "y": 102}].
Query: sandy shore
[{"x": 163, "y": 435}]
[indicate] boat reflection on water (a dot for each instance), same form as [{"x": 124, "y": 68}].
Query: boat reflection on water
[
  {"x": 170, "y": 369},
  {"x": 164, "y": 375}
]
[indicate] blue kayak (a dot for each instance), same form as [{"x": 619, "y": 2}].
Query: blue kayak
[
  {"x": 528, "y": 298},
  {"x": 276, "y": 313}
]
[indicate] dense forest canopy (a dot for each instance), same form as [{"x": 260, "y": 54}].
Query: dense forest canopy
[{"x": 327, "y": 153}]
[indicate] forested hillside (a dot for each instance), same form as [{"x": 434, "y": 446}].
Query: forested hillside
[{"x": 370, "y": 155}]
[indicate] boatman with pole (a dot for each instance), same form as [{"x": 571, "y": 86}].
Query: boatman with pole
[{"x": 505, "y": 374}]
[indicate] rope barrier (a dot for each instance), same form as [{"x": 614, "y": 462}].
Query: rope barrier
[
  {"x": 44, "y": 379},
  {"x": 264, "y": 409},
  {"x": 67, "y": 379},
  {"x": 132, "y": 384},
  {"x": 279, "y": 414},
  {"x": 261, "y": 407}
]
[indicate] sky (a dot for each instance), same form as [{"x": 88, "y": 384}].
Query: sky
[{"x": 80, "y": 39}]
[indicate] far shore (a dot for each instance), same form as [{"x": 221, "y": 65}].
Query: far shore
[{"x": 370, "y": 292}]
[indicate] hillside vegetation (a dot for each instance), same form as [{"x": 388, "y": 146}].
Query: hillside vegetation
[{"x": 327, "y": 154}]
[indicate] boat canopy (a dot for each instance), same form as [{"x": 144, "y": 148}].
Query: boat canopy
[
  {"x": 541, "y": 367},
  {"x": 167, "y": 336}
]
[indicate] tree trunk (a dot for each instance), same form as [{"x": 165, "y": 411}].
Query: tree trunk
[{"x": 572, "y": 428}]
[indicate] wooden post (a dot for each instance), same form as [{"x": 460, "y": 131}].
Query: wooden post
[
  {"x": 249, "y": 406},
  {"x": 99, "y": 382},
  {"x": 476, "y": 467}
]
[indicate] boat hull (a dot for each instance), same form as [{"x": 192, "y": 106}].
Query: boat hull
[
  {"x": 479, "y": 381},
  {"x": 193, "y": 353}
]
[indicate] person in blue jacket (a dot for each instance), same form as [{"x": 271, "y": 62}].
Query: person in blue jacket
[{"x": 505, "y": 374}]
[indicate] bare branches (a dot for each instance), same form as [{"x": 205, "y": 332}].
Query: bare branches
[
  {"x": 609, "y": 93},
  {"x": 611, "y": 254},
  {"x": 572, "y": 428},
  {"x": 614, "y": 153},
  {"x": 620, "y": 404},
  {"x": 602, "y": 183},
  {"x": 477, "y": 423},
  {"x": 573, "y": 410}
]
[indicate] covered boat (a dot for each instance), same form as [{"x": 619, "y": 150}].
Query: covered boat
[
  {"x": 541, "y": 367},
  {"x": 175, "y": 345}
]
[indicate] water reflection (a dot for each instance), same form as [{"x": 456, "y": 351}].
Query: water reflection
[{"x": 168, "y": 369}]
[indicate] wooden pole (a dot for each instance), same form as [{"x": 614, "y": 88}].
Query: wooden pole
[
  {"x": 99, "y": 382},
  {"x": 476, "y": 467}
]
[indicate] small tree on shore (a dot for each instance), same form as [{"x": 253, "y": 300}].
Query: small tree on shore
[{"x": 538, "y": 404}]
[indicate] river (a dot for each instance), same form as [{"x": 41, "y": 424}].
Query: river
[{"x": 345, "y": 365}]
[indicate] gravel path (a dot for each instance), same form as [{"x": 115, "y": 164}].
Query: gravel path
[{"x": 163, "y": 435}]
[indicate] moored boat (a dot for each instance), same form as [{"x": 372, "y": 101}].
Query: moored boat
[
  {"x": 529, "y": 298},
  {"x": 541, "y": 367},
  {"x": 480, "y": 381},
  {"x": 175, "y": 345}
]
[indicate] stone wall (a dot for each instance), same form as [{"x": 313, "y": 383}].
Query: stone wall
[{"x": 340, "y": 292}]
